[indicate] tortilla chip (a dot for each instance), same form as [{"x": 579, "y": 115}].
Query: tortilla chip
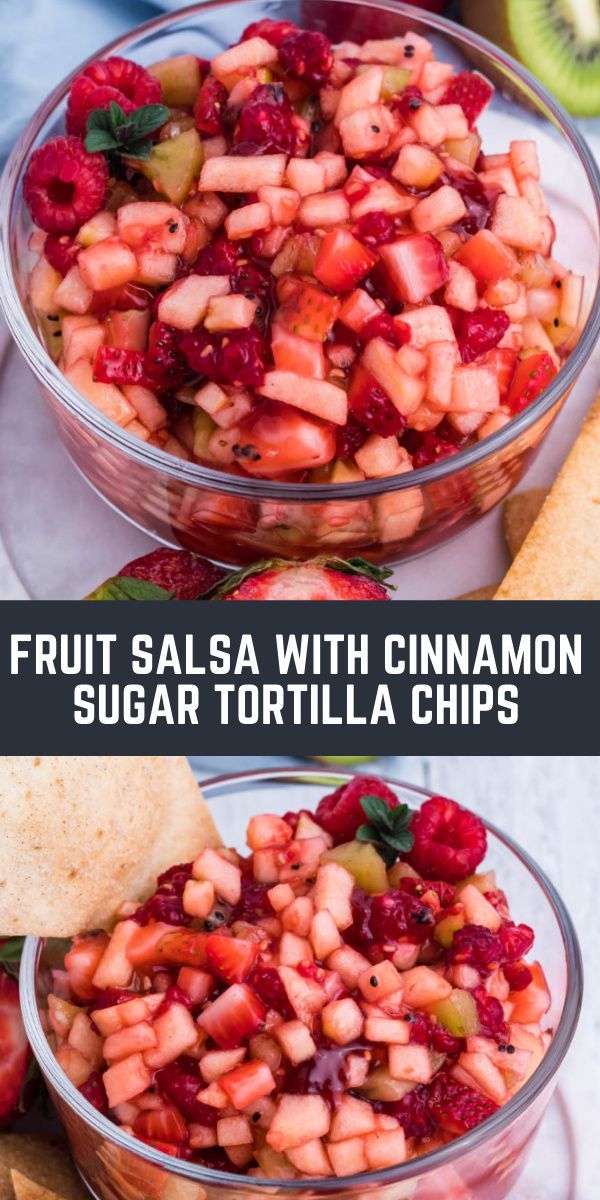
[
  {"x": 80, "y": 834},
  {"x": 483, "y": 593},
  {"x": 520, "y": 512},
  {"x": 46, "y": 1158},
  {"x": 26, "y": 1189},
  {"x": 560, "y": 558}
]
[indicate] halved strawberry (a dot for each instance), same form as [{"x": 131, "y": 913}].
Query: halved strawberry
[
  {"x": 234, "y": 1015},
  {"x": 319, "y": 579},
  {"x": 186, "y": 948},
  {"x": 531, "y": 376},
  {"x": 471, "y": 91},
  {"x": 230, "y": 958},
  {"x": 15, "y": 1054},
  {"x": 181, "y": 574},
  {"x": 309, "y": 312}
]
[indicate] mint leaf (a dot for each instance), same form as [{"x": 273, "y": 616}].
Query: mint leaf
[
  {"x": 127, "y": 135},
  {"x": 126, "y": 587},
  {"x": 388, "y": 829}
]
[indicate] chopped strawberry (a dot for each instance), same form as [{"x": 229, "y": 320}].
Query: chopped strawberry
[
  {"x": 457, "y": 1108},
  {"x": 341, "y": 812},
  {"x": 209, "y": 109},
  {"x": 113, "y": 365},
  {"x": 230, "y": 958},
  {"x": 306, "y": 581},
  {"x": 472, "y": 92},
  {"x": 342, "y": 261},
  {"x": 531, "y": 376},
  {"x": 161, "y": 1125},
  {"x": 184, "y": 574},
  {"x": 15, "y": 1054},
  {"x": 309, "y": 312},
  {"x": 180, "y": 1083},
  {"x": 93, "y": 1091},
  {"x": 449, "y": 841},
  {"x": 234, "y": 1015}
]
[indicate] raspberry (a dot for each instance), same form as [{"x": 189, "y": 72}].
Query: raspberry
[
  {"x": 86, "y": 95},
  {"x": 518, "y": 976},
  {"x": 340, "y": 812},
  {"x": 413, "y": 1112},
  {"x": 209, "y": 109},
  {"x": 477, "y": 947},
  {"x": 374, "y": 228},
  {"x": 516, "y": 940},
  {"x": 167, "y": 902},
  {"x": 108, "y": 997},
  {"x": 480, "y": 331},
  {"x": 218, "y": 258},
  {"x": 164, "y": 363},
  {"x": 457, "y": 1108},
  {"x": 128, "y": 295},
  {"x": 432, "y": 449},
  {"x": 235, "y": 358},
  {"x": 266, "y": 983},
  {"x": 274, "y": 32},
  {"x": 450, "y": 842},
  {"x": 114, "y": 365},
  {"x": 471, "y": 91},
  {"x": 370, "y": 405},
  {"x": 266, "y": 120},
  {"x": 180, "y": 1083},
  {"x": 93, "y": 1091},
  {"x": 491, "y": 1015},
  {"x": 63, "y": 185},
  {"x": 307, "y": 56},
  {"x": 351, "y": 438},
  {"x": 253, "y": 902},
  {"x": 425, "y": 1032},
  {"x": 133, "y": 81},
  {"x": 392, "y": 916},
  {"x": 186, "y": 575},
  {"x": 395, "y": 332},
  {"x": 256, "y": 282},
  {"x": 445, "y": 892},
  {"x": 60, "y": 252},
  {"x": 174, "y": 995}
]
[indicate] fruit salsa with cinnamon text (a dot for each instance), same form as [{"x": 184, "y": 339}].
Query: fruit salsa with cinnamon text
[
  {"x": 351, "y": 994},
  {"x": 296, "y": 261}
]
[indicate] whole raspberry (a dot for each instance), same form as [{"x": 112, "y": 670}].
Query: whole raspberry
[
  {"x": 270, "y": 31},
  {"x": 63, "y": 185},
  {"x": 167, "y": 902},
  {"x": 186, "y": 575},
  {"x": 374, "y": 228},
  {"x": 480, "y": 331},
  {"x": 341, "y": 812},
  {"x": 491, "y": 1015},
  {"x": 60, "y": 252},
  {"x": 457, "y": 1108},
  {"x": 86, "y": 95},
  {"x": 518, "y": 976},
  {"x": 266, "y": 120},
  {"x": 307, "y": 56},
  {"x": 450, "y": 842},
  {"x": 133, "y": 81},
  {"x": 209, "y": 109},
  {"x": 413, "y": 1113}
]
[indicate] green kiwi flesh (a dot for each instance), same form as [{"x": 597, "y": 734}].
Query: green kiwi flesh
[{"x": 558, "y": 40}]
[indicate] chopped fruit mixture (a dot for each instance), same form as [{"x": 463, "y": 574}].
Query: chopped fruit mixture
[
  {"x": 296, "y": 261},
  {"x": 350, "y": 994}
]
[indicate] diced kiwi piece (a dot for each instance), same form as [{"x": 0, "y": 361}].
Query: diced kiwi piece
[
  {"x": 395, "y": 80},
  {"x": 457, "y": 1013},
  {"x": 363, "y": 862},
  {"x": 379, "y": 1085},
  {"x": 274, "y": 1165},
  {"x": 465, "y": 150},
  {"x": 401, "y": 870},
  {"x": 204, "y": 427},
  {"x": 173, "y": 165},
  {"x": 447, "y": 926},
  {"x": 558, "y": 40},
  {"x": 179, "y": 78},
  {"x": 50, "y": 329},
  {"x": 346, "y": 472}
]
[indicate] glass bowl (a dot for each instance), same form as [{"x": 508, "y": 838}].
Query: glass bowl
[
  {"x": 483, "y": 1165},
  {"x": 233, "y": 519}
]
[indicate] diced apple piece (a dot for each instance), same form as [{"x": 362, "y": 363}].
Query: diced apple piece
[
  {"x": 336, "y": 170},
  {"x": 516, "y": 223},
  {"x": 198, "y": 898},
  {"x": 234, "y": 1131},
  {"x": 132, "y": 1040},
  {"x": 429, "y": 127},
  {"x": 185, "y": 303},
  {"x": 333, "y": 889},
  {"x": 405, "y": 392},
  {"x": 478, "y": 910},
  {"x": 152, "y": 223},
  {"x": 388, "y": 1030},
  {"x": 348, "y": 1157},
  {"x": 298, "y": 1119},
  {"x": 349, "y": 964},
  {"x": 243, "y": 222},
  {"x": 225, "y": 876},
  {"x": 248, "y": 1083},
  {"x": 305, "y": 176},
  {"x": 417, "y": 166},
  {"x": 202, "y": 1137},
  {"x": 461, "y": 289},
  {"x": 422, "y": 987},
  {"x": 324, "y": 209},
  {"x": 102, "y": 225},
  {"x": 242, "y": 173},
  {"x": 358, "y": 308},
  {"x": 361, "y": 92},
  {"x": 412, "y": 1062},
  {"x": 342, "y": 1021},
  {"x": 366, "y": 133},
  {"x": 378, "y": 457},
  {"x": 114, "y": 968},
  {"x": 82, "y": 337},
  {"x": 269, "y": 830},
  {"x": 230, "y": 312},
  {"x": 298, "y": 916},
  {"x": 379, "y": 981},
  {"x": 488, "y": 1079},
  {"x": 281, "y": 895},
  {"x": 82, "y": 1037},
  {"x": 324, "y": 935},
  {"x": 440, "y": 210},
  {"x": 385, "y": 1148},
  {"x": 474, "y": 390},
  {"x": 306, "y": 997},
  {"x": 294, "y": 950},
  {"x": 126, "y": 1079},
  {"x": 283, "y": 203},
  {"x": 430, "y": 323},
  {"x": 317, "y": 397},
  {"x": 216, "y": 1063},
  {"x": 176, "y": 1032},
  {"x": 155, "y": 267},
  {"x": 73, "y": 293},
  {"x": 352, "y": 1118},
  {"x": 295, "y": 1041},
  {"x": 254, "y": 52},
  {"x": 311, "y": 1159},
  {"x": 107, "y": 264},
  {"x": 43, "y": 284}
]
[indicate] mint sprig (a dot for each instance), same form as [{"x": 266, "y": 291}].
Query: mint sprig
[
  {"x": 388, "y": 829},
  {"x": 128, "y": 587},
  {"x": 112, "y": 131}
]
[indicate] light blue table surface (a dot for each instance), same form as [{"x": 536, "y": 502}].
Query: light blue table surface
[{"x": 41, "y": 40}]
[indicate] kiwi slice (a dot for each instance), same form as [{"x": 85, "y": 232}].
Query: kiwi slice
[{"x": 558, "y": 40}]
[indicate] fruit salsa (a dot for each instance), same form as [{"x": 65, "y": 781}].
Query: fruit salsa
[
  {"x": 296, "y": 261},
  {"x": 350, "y": 994}
]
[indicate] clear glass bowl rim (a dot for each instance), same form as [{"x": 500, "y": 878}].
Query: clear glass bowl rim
[
  {"x": 479, "y": 1136},
  {"x": 207, "y": 477}
]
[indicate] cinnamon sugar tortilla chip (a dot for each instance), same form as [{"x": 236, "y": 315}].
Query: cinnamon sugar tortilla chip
[
  {"x": 483, "y": 593},
  {"x": 45, "y": 1158},
  {"x": 82, "y": 834},
  {"x": 26, "y": 1189},
  {"x": 520, "y": 512},
  {"x": 560, "y": 558}
]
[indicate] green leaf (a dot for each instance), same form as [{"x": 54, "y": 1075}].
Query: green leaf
[
  {"x": 112, "y": 131},
  {"x": 378, "y": 812},
  {"x": 11, "y": 950},
  {"x": 148, "y": 118},
  {"x": 126, "y": 587},
  {"x": 99, "y": 118},
  {"x": 388, "y": 829},
  {"x": 99, "y": 140}
]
